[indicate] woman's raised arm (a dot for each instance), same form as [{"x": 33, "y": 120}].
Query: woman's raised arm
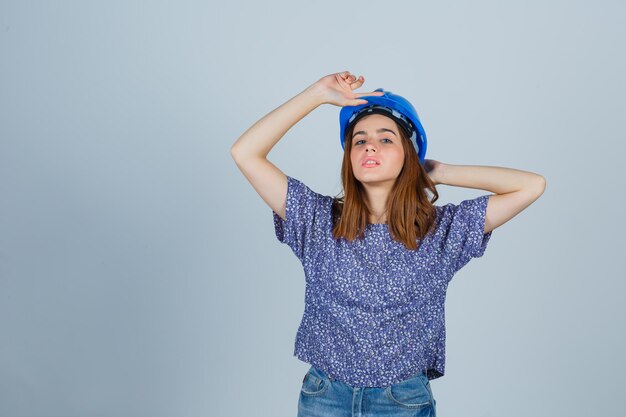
[
  {"x": 514, "y": 189},
  {"x": 251, "y": 149}
]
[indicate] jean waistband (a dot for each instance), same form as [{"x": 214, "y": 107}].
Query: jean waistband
[{"x": 325, "y": 374}]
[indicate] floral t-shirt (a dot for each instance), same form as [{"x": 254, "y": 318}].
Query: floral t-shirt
[{"x": 374, "y": 310}]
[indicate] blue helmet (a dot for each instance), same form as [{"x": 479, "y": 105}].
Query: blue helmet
[{"x": 392, "y": 105}]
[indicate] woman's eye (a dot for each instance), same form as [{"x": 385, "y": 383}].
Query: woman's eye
[{"x": 358, "y": 142}]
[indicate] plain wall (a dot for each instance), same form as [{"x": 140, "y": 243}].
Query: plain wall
[{"x": 139, "y": 270}]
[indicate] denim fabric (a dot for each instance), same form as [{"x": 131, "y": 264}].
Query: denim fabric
[{"x": 322, "y": 395}]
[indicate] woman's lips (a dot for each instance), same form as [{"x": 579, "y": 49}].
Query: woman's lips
[{"x": 368, "y": 159}]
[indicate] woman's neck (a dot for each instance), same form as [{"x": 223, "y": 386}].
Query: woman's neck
[
  {"x": 382, "y": 218},
  {"x": 376, "y": 201}
]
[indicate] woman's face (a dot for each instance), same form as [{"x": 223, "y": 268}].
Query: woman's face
[{"x": 376, "y": 137}]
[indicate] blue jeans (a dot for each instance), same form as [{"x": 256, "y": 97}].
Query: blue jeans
[{"x": 323, "y": 395}]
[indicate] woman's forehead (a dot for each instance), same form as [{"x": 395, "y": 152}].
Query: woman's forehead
[{"x": 374, "y": 121}]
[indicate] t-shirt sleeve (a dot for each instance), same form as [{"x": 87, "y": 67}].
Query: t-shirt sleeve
[
  {"x": 464, "y": 236},
  {"x": 306, "y": 214}
]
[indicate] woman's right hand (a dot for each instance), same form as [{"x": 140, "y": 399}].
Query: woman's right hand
[{"x": 338, "y": 89}]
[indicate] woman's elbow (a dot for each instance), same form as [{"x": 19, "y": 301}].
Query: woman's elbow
[
  {"x": 538, "y": 186},
  {"x": 541, "y": 183}
]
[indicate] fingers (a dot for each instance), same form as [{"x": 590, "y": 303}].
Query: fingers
[
  {"x": 373, "y": 93},
  {"x": 358, "y": 82},
  {"x": 346, "y": 74},
  {"x": 351, "y": 79},
  {"x": 355, "y": 83}
]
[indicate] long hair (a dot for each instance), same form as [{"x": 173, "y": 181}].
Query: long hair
[{"x": 410, "y": 212}]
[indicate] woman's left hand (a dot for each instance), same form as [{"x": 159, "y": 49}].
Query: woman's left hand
[{"x": 434, "y": 169}]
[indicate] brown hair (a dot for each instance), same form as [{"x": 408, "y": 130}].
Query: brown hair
[{"x": 411, "y": 214}]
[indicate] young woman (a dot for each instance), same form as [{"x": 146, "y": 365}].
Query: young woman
[{"x": 378, "y": 260}]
